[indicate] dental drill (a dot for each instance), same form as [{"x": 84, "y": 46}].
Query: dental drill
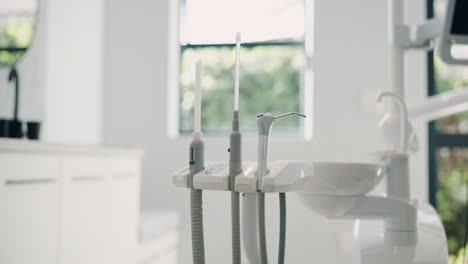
[
  {"x": 265, "y": 122},
  {"x": 235, "y": 162},
  {"x": 197, "y": 164}
]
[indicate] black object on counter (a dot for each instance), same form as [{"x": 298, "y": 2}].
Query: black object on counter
[
  {"x": 34, "y": 130},
  {"x": 15, "y": 129},
  {"x": 4, "y": 127}
]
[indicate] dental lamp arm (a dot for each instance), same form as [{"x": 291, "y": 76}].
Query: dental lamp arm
[
  {"x": 441, "y": 105},
  {"x": 418, "y": 36}
]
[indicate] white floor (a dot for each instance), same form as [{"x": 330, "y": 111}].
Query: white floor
[{"x": 158, "y": 237}]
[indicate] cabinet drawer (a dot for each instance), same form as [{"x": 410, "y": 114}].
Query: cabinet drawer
[
  {"x": 29, "y": 168},
  {"x": 123, "y": 168},
  {"x": 94, "y": 167},
  {"x": 83, "y": 169},
  {"x": 29, "y": 223}
]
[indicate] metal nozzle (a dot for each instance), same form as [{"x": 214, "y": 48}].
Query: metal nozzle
[{"x": 288, "y": 114}]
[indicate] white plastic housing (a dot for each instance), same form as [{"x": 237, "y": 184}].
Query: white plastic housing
[{"x": 427, "y": 245}]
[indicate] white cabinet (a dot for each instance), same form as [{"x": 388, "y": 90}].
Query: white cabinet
[
  {"x": 29, "y": 213},
  {"x": 100, "y": 209},
  {"x": 123, "y": 240},
  {"x": 71, "y": 207},
  {"x": 84, "y": 212}
]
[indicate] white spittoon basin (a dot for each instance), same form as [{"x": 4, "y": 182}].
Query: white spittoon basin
[
  {"x": 323, "y": 178},
  {"x": 324, "y": 187}
]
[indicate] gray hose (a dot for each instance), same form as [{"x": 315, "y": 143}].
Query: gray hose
[
  {"x": 235, "y": 167},
  {"x": 197, "y": 164},
  {"x": 262, "y": 229},
  {"x": 282, "y": 234},
  {"x": 198, "y": 245},
  {"x": 235, "y": 215}
]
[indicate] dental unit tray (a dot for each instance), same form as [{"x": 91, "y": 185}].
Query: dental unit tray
[
  {"x": 215, "y": 176},
  {"x": 313, "y": 178}
]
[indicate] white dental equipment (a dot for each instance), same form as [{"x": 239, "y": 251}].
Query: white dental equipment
[
  {"x": 409, "y": 232},
  {"x": 453, "y": 31},
  {"x": 339, "y": 190}
]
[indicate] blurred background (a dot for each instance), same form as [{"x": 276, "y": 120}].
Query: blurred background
[{"x": 111, "y": 84}]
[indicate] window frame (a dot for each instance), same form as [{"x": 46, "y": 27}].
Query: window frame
[{"x": 306, "y": 94}]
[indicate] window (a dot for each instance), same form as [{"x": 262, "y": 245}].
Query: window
[
  {"x": 448, "y": 151},
  {"x": 272, "y": 61},
  {"x": 17, "y": 19}
]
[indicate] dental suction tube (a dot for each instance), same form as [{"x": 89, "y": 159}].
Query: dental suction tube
[
  {"x": 235, "y": 163},
  {"x": 197, "y": 164}
]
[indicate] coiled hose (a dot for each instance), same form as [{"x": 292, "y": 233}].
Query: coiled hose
[
  {"x": 282, "y": 234},
  {"x": 196, "y": 209},
  {"x": 235, "y": 220},
  {"x": 262, "y": 229}
]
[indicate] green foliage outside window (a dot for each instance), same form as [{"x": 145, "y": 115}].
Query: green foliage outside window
[
  {"x": 451, "y": 124},
  {"x": 452, "y": 174},
  {"x": 16, "y": 33},
  {"x": 270, "y": 82},
  {"x": 451, "y": 194}
]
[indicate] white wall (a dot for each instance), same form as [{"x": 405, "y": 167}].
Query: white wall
[
  {"x": 350, "y": 56},
  {"x": 73, "y": 71},
  {"x": 61, "y": 74}
]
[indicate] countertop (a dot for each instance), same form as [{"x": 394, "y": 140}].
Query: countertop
[{"x": 8, "y": 145}]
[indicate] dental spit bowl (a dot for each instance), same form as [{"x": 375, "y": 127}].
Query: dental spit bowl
[{"x": 317, "y": 182}]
